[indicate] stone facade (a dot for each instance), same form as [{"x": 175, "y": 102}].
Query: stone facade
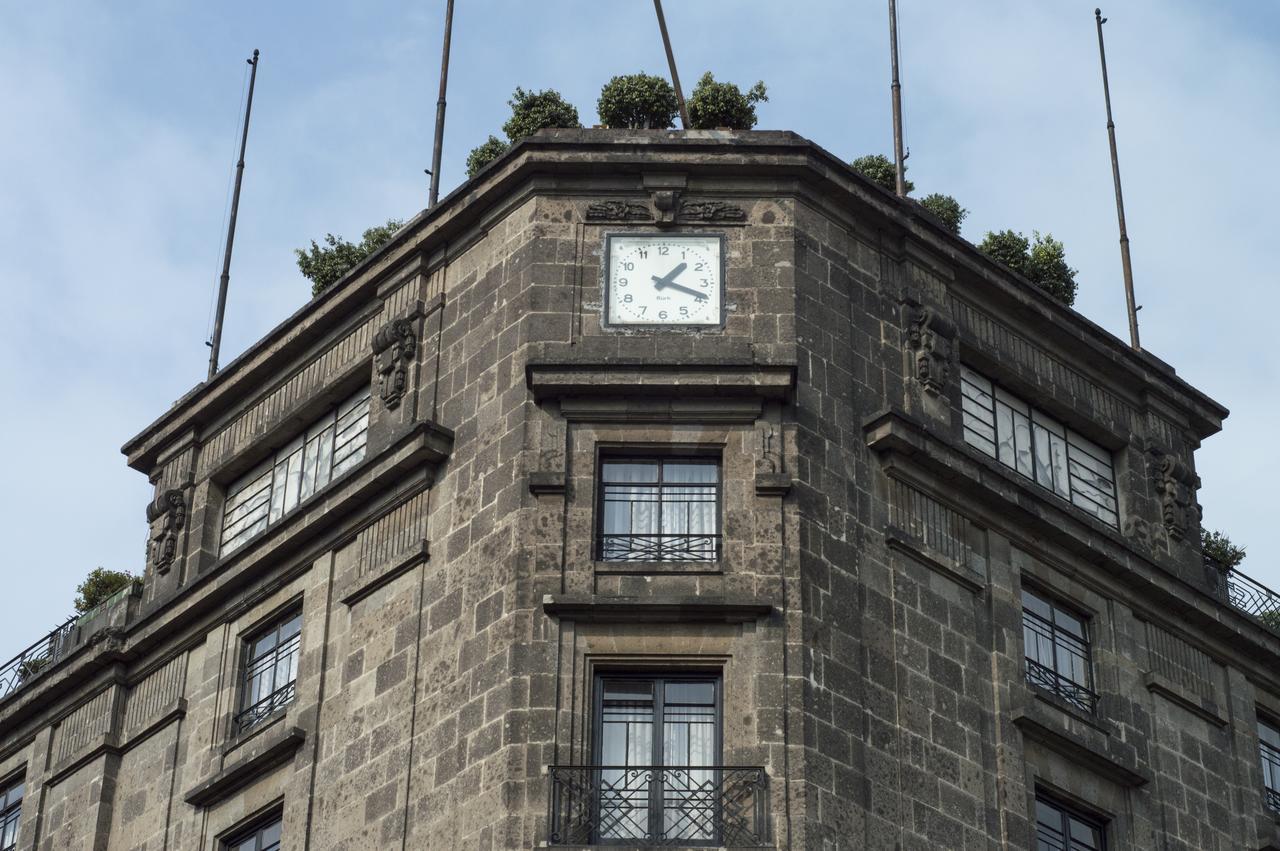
[{"x": 863, "y": 619}]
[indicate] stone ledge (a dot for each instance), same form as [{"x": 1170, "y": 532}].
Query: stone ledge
[
  {"x": 1269, "y": 831},
  {"x": 601, "y": 608},
  {"x": 271, "y": 750},
  {"x": 1188, "y": 700},
  {"x": 684, "y": 381},
  {"x": 174, "y": 710},
  {"x": 546, "y": 482},
  {"x": 380, "y": 575},
  {"x": 1081, "y": 742},
  {"x": 658, "y": 568},
  {"x": 773, "y": 484},
  {"x": 102, "y": 744},
  {"x": 905, "y": 542}
]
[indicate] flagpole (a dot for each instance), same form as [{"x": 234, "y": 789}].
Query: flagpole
[
  {"x": 899, "y": 161},
  {"x": 215, "y": 344},
  {"x": 438, "y": 146},
  {"x": 671, "y": 61},
  {"x": 1125, "y": 262}
]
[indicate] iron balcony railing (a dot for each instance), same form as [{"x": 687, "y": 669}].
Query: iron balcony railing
[
  {"x": 674, "y": 547},
  {"x": 1250, "y": 596},
  {"x": 721, "y": 806},
  {"x": 1051, "y": 681},
  {"x": 36, "y": 658},
  {"x": 253, "y": 715},
  {"x": 1271, "y": 775}
]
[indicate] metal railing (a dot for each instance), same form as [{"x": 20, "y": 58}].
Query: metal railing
[
  {"x": 1050, "y": 680},
  {"x": 721, "y": 806},
  {"x": 676, "y": 547},
  {"x": 1251, "y": 597},
  {"x": 253, "y": 715},
  {"x": 24, "y": 667},
  {"x": 1271, "y": 775}
]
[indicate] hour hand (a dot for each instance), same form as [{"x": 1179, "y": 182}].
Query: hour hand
[{"x": 666, "y": 280}]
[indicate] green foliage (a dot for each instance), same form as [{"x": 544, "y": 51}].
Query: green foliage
[
  {"x": 715, "y": 104},
  {"x": 638, "y": 101},
  {"x": 1271, "y": 619},
  {"x": 532, "y": 111},
  {"x": 325, "y": 266},
  {"x": 880, "y": 170},
  {"x": 947, "y": 209},
  {"x": 484, "y": 154},
  {"x": 1218, "y": 548},
  {"x": 1042, "y": 260},
  {"x": 98, "y": 586},
  {"x": 28, "y": 668}
]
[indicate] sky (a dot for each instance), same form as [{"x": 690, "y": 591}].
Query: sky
[{"x": 121, "y": 122}]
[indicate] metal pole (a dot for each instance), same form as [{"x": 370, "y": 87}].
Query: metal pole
[
  {"x": 1115, "y": 175},
  {"x": 899, "y": 160},
  {"x": 671, "y": 61},
  {"x": 444, "y": 84},
  {"x": 216, "y": 343}
]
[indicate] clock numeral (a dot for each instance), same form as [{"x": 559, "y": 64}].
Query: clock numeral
[
  {"x": 622, "y": 282},
  {"x": 697, "y": 267},
  {"x": 643, "y": 308},
  {"x": 643, "y": 253},
  {"x": 630, "y": 267},
  {"x": 684, "y": 311},
  {"x": 662, "y": 314},
  {"x": 704, "y": 282},
  {"x": 684, "y": 255},
  {"x": 627, "y": 298},
  {"x": 664, "y": 250}
]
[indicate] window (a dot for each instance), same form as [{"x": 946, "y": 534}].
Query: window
[
  {"x": 1038, "y": 446},
  {"x": 1059, "y": 828},
  {"x": 326, "y": 450},
  {"x": 659, "y": 509},
  {"x": 265, "y": 838},
  {"x": 657, "y": 745},
  {"x": 1056, "y": 644},
  {"x": 1269, "y": 745},
  {"x": 270, "y": 672},
  {"x": 10, "y": 815}
]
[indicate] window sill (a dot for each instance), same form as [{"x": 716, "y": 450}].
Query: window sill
[
  {"x": 705, "y": 609},
  {"x": 667, "y": 568},
  {"x": 240, "y": 739},
  {"x": 263, "y": 754},
  {"x": 1080, "y": 738}
]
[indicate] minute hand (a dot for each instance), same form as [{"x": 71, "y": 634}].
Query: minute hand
[{"x": 681, "y": 287}]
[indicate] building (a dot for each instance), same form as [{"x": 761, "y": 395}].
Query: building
[{"x": 865, "y": 543}]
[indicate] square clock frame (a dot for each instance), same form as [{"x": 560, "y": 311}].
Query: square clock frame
[{"x": 664, "y": 280}]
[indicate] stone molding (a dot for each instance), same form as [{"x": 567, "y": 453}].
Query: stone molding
[
  {"x": 607, "y": 609},
  {"x": 273, "y": 748},
  {"x": 376, "y": 577},
  {"x": 1180, "y": 695},
  {"x": 1078, "y": 741}
]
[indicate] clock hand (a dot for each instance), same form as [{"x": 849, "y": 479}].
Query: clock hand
[
  {"x": 666, "y": 279},
  {"x": 692, "y": 292}
]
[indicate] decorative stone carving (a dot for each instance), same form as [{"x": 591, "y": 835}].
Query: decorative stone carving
[
  {"x": 930, "y": 336},
  {"x": 169, "y": 509},
  {"x": 712, "y": 211},
  {"x": 394, "y": 347},
  {"x": 618, "y": 211},
  {"x": 769, "y": 460},
  {"x": 1177, "y": 486},
  {"x": 1138, "y": 530},
  {"x": 666, "y": 202}
]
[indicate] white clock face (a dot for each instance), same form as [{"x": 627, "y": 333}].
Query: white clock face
[{"x": 664, "y": 279}]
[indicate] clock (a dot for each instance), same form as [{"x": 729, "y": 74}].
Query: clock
[{"x": 664, "y": 279}]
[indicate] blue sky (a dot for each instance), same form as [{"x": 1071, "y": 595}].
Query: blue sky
[{"x": 121, "y": 122}]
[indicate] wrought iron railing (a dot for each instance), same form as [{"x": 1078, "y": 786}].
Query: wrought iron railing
[
  {"x": 722, "y": 806},
  {"x": 24, "y": 667},
  {"x": 1271, "y": 775},
  {"x": 1251, "y": 596},
  {"x": 677, "y": 547},
  {"x": 253, "y": 715},
  {"x": 1069, "y": 690}
]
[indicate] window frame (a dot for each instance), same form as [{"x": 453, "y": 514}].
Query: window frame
[
  {"x": 1269, "y": 756},
  {"x": 251, "y": 716},
  {"x": 254, "y": 832},
  {"x": 1051, "y": 679},
  {"x": 659, "y": 678},
  {"x": 262, "y": 477},
  {"x": 1078, "y": 451},
  {"x": 11, "y": 812},
  {"x": 1067, "y": 812},
  {"x": 659, "y": 456}
]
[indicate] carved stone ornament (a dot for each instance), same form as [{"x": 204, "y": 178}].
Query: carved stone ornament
[
  {"x": 769, "y": 460},
  {"x": 712, "y": 211},
  {"x": 618, "y": 211},
  {"x": 929, "y": 336},
  {"x": 1138, "y": 531},
  {"x": 666, "y": 202},
  {"x": 169, "y": 510},
  {"x": 394, "y": 347},
  {"x": 1177, "y": 485}
]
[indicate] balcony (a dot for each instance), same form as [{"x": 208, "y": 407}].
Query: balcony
[
  {"x": 22, "y": 668},
  {"x": 656, "y": 806},
  {"x": 1248, "y": 595},
  {"x": 1271, "y": 775}
]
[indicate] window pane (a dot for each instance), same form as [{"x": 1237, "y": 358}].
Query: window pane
[
  {"x": 630, "y": 471},
  {"x": 1269, "y": 734}
]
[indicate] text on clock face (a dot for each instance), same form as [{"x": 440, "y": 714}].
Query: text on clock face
[{"x": 671, "y": 280}]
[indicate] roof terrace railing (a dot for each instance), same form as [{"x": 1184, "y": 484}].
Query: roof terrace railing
[
  {"x": 1248, "y": 595},
  {"x": 30, "y": 662}
]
